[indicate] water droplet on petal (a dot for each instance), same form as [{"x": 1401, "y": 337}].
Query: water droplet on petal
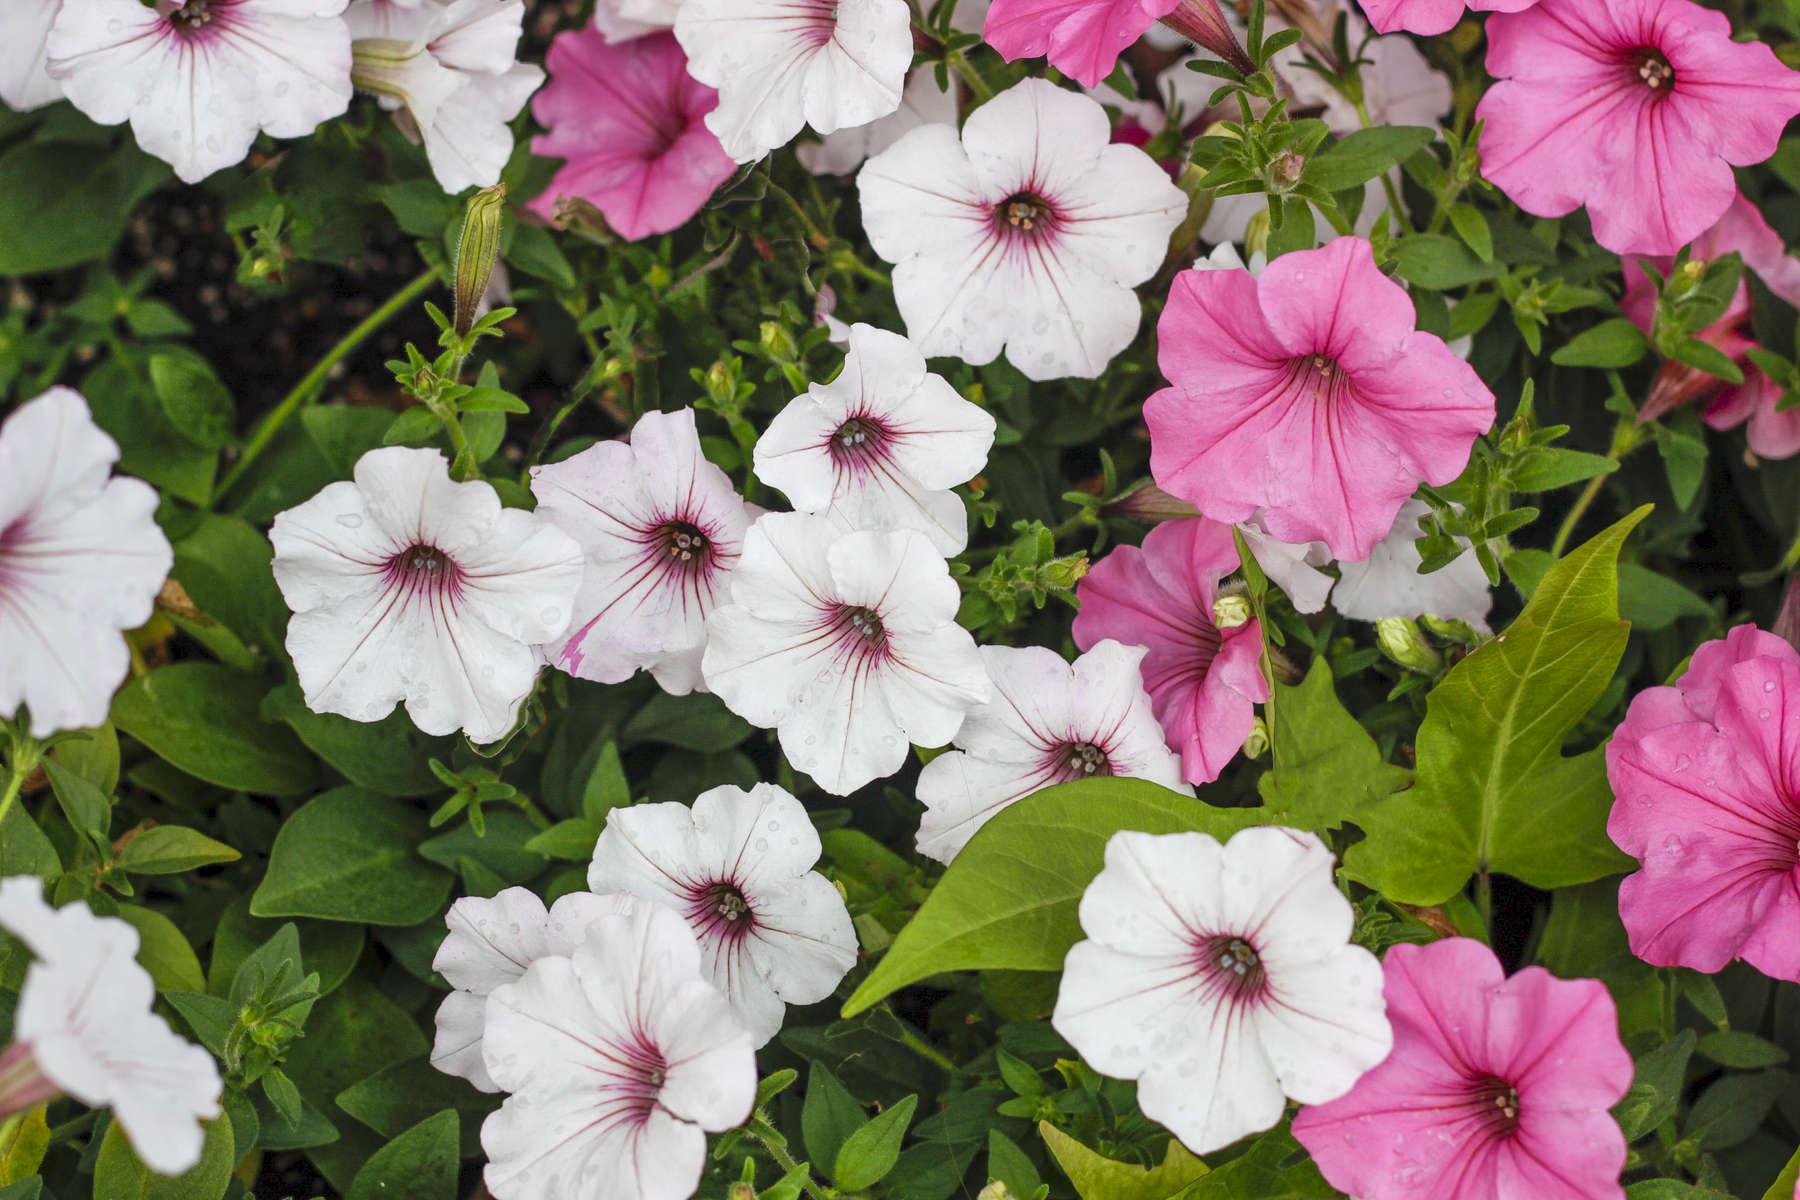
[{"x": 349, "y": 520}]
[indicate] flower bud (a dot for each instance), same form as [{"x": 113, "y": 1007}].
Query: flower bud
[
  {"x": 995, "y": 1190},
  {"x": 1284, "y": 173},
  {"x": 1065, "y": 572},
  {"x": 719, "y": 387},
  {"x": 778, "y": 343},
  {"x": 1400, "y": 640},
  {"x": 1201, "y": 22},
  {"x": 1150, "y": 503},
  {"x": 476, "y": 251},
  {"x": 1229, "y": 612},
  {"x": 1257, "y": 744},
  {"x": 740, "y": 1191}
]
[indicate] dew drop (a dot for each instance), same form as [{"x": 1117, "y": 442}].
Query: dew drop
[
  {"x": 1763, "y": 714},
  {"x": 349, "y": 520},
  {"x": 1682, "y": 762},
  {"x": 1768, "y": 685}
]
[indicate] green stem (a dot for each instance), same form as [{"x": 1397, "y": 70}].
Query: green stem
[
  {"x": 306, "y": 390},
  {"x": 972, "y": 77},
  {"x": 26, "y": 751},
  {"x": 1626, "y": 438},
  {"x": 1484, "y": 901},
  {"x": 920, "y": 1047},
  {"x": 778, "y": 1152}
]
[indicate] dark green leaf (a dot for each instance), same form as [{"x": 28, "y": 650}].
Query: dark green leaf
[
  {"x": 203, "y": 719},
  {"x": 171, "y": 850},
  {"x": 1614, "y": 343},
  {"x": 348, "y": 855},
  {"x": 420, "y": 1164}
]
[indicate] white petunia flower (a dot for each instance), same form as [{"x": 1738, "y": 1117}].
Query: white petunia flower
[
  {"x": 81, "y": 558},
  {"x": 1028, "y": 232},
  {"x": 621, "y": 1059},
  {"x": 661, "y": 528},
  {"x": 881, "y": 445},
  {"x": 624, "y": 20},
  {"x": 24, "y": 83},
  {"x": 1293, "y": 566},
  {"x": 782, "y": 64},
  {"x": 198, "y": 80},
  {"x": 449, "y": 63},
  {"x": 490, "y": 943},
  {"x": 83, "y": 1027},
  {"x": 1388, "y": 583},
  {"x": 846, "y": 643},
  {"x": 738, "y": 868},
  {"x": 1049, "y": 722},
  {"x": 1223, "y": 980},
  {"x": 406, "y": 586},
  {"x": 923, "y": 103}
]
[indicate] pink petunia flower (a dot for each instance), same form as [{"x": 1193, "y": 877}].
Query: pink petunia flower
[
  {"x": 1708, "y": 802},
  {"x": 1308, "y": 393},
  {"x": 1637, "y": 108},
  {"x": 1495, "y": 1087},
  {"x": 1084, "y": 38},
  {"x": 1431, "y": 16},
  {"x": 630, "y": 122},
  {"x": 1203, "y": 681},
  {"x": 1742, "y": 230}
]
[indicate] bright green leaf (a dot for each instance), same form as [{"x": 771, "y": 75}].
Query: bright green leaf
[
  {"x": 871, "y": 1152},
  {"x": 349, "y": 855},
  {"x": 1097, "y": 1177}
]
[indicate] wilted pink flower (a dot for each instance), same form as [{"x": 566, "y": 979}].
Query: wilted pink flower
[
  {"x": 630, "y": 122},
  {"x": 1203, "y": 681},
  {"x": 1742, "y": 230},
  {"x": 198, "y": 79},
  {"x": 1496, "y": 1087},
  {"x": 1431, "y": 16},
  {"x": 1308, "y": 393},
  {"x": 1222, "y": 978},
  {"x": 661, "y": 529},
  {"x": 1708, "y": 801},
  {"x": 1084, "y": 38},
  {"x": 1637, "y": 108}
]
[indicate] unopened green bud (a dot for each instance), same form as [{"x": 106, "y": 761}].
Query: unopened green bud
[
  {"x": 1683, "y": 282},
  {"x": 476, "y": 251},
  {"x": 718, "y": 384},
  {"x": 1231, "y": 611},
  {"x": 995, "y": 1190},
  {"x": 778, "y": 343},
  {"x": 1455, "y": 631},
  {"x": 1257, "y": 744},
  {"x": 1066, "y": 572},
  {"x": 1400, "y": 640},
  {"x": 740, "y": 1191}
]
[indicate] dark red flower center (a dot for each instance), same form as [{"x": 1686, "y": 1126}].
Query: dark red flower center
[
  {"x": 865, "y": 622},
  {"x": 1025, "y": 213},
  {"x": 1653, "y": 69},
  {"x": 1496, "y": 1104},
  {"x": 685, "y": 544},
  {"x": 719, "y": 911},
  {"x": 1233, "y": 966},
  {"x": 858, "y": 441},
  {"x": 1081, "y": 760},
  {"x": 424, "y": 571},
  {"x": 191, "y": 16}
]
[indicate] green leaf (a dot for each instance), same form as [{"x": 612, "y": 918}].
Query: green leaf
[
  {"x": 24, "y": 850},
  {"x": 1011, "y": 1166},
  {"x": 1275, "y": 1167},
  {"x": 87, "y": 807},
  {"x": 1552, "y": 467},
  {"x": 1493, "y": 791},
  {"x": 163, "y": 950},
  {"x": 193, "y": 399},
  {"x": 1326, "y": 766},
  {"x": 94, "y": 758},
  {"x": 328, "y": 948},
  {"x": 1704, "y": 356},
  {"x": 24, "y": 1140},
  {"x": 1656, "y": 1084},
  {"x": 420, "y": 1164},
  {"x": 1614, "y": 343},
  {"x": 1440, "y": 263},
  {"x": 62, "y": 204},
  {"x": 212, "y": 1018},
  {"x": 1364, "y": 154},
  {"x": 398, "y": 1097},
  {"x": 25, "y": 1189},
  {"x": 606, "y": 787},
  {"x": 697, "y": 722},
  {"x": 224, "y": 564},
  {"x": 1785, "y": 1183},
  {"x": 1651, "y": 601},
  {"x": 1729, "y": 1112},
  {"x": 118, "y": 1175},
  {"x": 1096, "y": 1177},
  {"x": 203, "y": 719},
  {"x": 572, "y": 840},
  {"x": 170, "y": 850},
  {"x": 1472, "y": 228},
  {"x": 829, "y": 1114},
  {"x": 387, "y": 756},
  {"x": 871, "y": 1152},
  {"x": 1009, "y": 898},
  {"x": 1745, "y": 1051},
  {"x": 348, "y": 855}
]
